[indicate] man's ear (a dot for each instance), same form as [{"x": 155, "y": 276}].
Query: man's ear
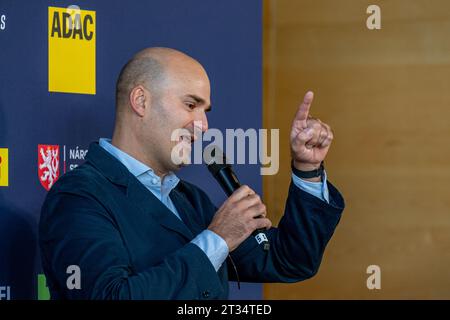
[{"x": 139, "y": 98}]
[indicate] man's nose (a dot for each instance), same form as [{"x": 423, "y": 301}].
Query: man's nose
[{"x": 204, "y": 122}]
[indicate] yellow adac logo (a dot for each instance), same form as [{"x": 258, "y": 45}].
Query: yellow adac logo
[
  {"x": 71, "y": 50},
  {"x": 3, "y": 167}
]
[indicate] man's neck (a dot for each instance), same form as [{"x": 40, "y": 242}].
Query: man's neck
[{"x": 133, "y": 149}]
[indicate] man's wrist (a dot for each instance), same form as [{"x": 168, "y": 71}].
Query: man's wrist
[
  {"x": 307, "y": 167},
  {"x": 302, "y": 166}
]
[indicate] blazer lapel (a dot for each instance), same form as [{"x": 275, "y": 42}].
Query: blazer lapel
[
  {"x": 147, "y": 202},
  {"x": 186, "y": 210}
]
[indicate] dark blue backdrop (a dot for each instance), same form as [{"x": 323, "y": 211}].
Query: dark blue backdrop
[{"x": 225, "y": 36}]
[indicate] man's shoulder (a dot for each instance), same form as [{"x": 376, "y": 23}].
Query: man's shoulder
[{"x": 83, "y": 178}]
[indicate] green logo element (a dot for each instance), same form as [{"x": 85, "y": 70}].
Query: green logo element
[{"x": 43, "y": 292}]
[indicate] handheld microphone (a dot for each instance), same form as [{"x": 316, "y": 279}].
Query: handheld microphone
[{"x": 222, "y": 171}]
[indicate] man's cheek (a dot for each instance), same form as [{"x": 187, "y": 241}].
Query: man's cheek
[{"x": 181, "y": 153}]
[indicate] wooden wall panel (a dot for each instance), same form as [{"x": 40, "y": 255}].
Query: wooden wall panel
[{"x": 386, "y": 94}]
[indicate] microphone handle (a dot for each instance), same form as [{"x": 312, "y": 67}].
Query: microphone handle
[{"x": 229, "y": 186}]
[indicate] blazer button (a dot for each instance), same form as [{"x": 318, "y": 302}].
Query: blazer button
[{"x": 205, "y": 294}]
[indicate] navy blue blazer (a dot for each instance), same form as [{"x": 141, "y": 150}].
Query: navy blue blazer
[{"x": 128, "y": 244}]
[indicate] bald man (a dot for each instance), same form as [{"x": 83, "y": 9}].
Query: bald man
[{"x": 124, "y": 226}]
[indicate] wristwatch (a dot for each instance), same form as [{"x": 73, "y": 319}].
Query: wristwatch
[{"x": 308, "y": 174}]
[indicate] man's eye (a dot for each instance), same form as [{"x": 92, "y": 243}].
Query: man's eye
[{"x": 190, "y": 105}]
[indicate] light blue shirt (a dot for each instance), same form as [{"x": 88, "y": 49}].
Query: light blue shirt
[
  {"x": 317, "y": 189},
  {"x": 209, "y": 242}
]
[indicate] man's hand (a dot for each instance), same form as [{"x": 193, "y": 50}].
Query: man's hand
[
  {"x": 310, "y": 138},
  {"x": 237, "y": 218}
]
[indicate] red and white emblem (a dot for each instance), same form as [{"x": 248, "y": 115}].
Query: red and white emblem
[{"x": 48, "y": 164}]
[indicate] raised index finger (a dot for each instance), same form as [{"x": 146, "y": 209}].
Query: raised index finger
[{"x": 303, "y": 110}]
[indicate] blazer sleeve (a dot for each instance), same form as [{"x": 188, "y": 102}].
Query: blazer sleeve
[
  {"x": 296, "y": 245},
  {"x": 77, "y": 230}
]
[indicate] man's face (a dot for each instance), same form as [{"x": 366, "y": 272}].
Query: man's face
[{"x": 182, "y": 103}]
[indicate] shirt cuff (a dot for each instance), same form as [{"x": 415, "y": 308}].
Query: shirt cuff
[
  {"x": 213, "y": 246},
  {"x": 317, "y": 189}
]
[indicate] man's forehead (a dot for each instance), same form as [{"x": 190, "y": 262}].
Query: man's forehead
[
  {"x": 190, "y": 83},
  {"x": 188, "y": 79},
  {"x": 191, "y": 73}
]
